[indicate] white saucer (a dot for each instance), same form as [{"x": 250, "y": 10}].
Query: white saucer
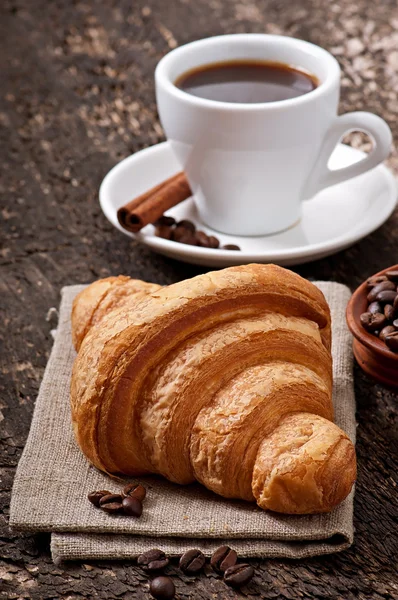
[{"x": 333, "y": 220}]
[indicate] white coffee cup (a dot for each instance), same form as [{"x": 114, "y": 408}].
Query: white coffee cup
[{"x": 250, "y": 166}]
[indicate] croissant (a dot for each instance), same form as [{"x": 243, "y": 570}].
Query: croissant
[
  {"x": 102, "y": 296},
  {"x": 225, "y": 378}
]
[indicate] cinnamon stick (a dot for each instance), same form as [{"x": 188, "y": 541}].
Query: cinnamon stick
[{"x": 151, "y": 205}]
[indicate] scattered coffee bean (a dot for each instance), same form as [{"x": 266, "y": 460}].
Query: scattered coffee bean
[
  {"x": 206, "y": 241},
  {"x": 386, "y": 296},
  {"x": 132, "y": 507},
  {"x": 178, "y": 233},
  {"x": 112, "y": 503},
  {"x": 230, "y": 247},
  {"x": 135, "y": 490},
  {"x": 185, "y": 232},
  {"x": 95, "y": 497},
  {"x": 380, "y": 287},
  {"x": 184, "y": 236},
  {"x": 112, "y": 508},
  {"x": 238, "y": 575},
  {"x": 165, "y": 220},
  {"x": 392, "y": 341},
  {"x": 153, "y": 560},
  {"x": 187, "y": 225},
  {"x": 372, "y": 281},
  {"x": 395, "y": 304},
  {"x": 388, "y": 312},
  {"x": 375, "y": 307},
  {"x": 213, "y": 242},
  {"x": 395, "y": 323},
  {"x": 164, "y": 231},
  {"x": 385, "y": 331},
  {"x": 223, "y": 558},
  {"x": 110, "y": 498},
  {"x": 192, "y": 561},
  {"x": 392, "y": 275},
  {"x": 372, "y": 322},
  {"x": 202, "y": 238},
  {"x": 162, "y": 588},
  {"x": 189, "y": 238}
]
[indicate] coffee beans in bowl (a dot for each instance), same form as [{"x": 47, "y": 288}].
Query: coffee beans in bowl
[
  {"x": 382, "y": 310},
  {"x": 372, "y": 316}
]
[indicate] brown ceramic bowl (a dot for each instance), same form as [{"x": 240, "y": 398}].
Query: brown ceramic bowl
[{"x": 372, "y": 354}]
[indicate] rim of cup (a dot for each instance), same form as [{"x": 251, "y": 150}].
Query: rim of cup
[{"x": 168, "y": 62}]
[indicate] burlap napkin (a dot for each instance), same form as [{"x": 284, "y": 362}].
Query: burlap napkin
[{"x": 53, "y": 479}]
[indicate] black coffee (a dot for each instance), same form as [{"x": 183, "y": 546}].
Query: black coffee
[{"x": 247, "y": 81}]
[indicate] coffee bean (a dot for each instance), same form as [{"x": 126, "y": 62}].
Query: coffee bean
[
  {"x": 207, "y": 241},
  {"x": 372, "y": 322},
  {"x": 372, "y": 281},
  {"x": 153, "y": 560},
  {"x": 385, "y": 331},
  {"x": 135, "y": 490},
  {"x": 203, "y": 239},
  {"x": 164, "y": 231},
  {"x": 230, "y": 247},
  {"x": 392, "y": 275},
  {"x": 223, "y": 558},
  {"x": 112, "y": 503},
  {"x": 95, "y": 497},
  {"x": 380, "y": 287},
  {"x": 187, "y": 225},
  {"x": 132, "y": 507},
  {"x": 381, "y": 317},
  {"x": 213, "y": 241},
  {"x": 178, "y": 233},
  {"x": 164, "y": 220},
  {"x": 388, "y": 311},
  {"x": 184, "y": 236},
  {"x": 386, "y": 296},
  {"x": 238, "y": 575},
  {"x": 392, "y": 341},
  {"x": 110, "y": 498},
  {"x": 375, "y": 307},
  {"x": 189, "y": 239},
  {"x": 112, "y": 508},
  {"x": 162, "y": 588},
  {"x": 192, "y": 561}
]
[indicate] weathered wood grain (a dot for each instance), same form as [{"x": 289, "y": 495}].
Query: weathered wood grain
[{"x": 77, "y": 96}]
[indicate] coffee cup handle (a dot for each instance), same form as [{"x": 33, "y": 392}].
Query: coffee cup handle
[{"x": 378, "y": 131}]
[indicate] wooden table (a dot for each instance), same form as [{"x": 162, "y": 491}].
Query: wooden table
[{"x": 78, "y": 98}]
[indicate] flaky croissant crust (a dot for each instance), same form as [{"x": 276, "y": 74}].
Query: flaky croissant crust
[{"x": 196, "y": 380}]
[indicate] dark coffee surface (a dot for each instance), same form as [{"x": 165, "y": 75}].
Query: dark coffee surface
[{"x": 247, "y": 82}]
